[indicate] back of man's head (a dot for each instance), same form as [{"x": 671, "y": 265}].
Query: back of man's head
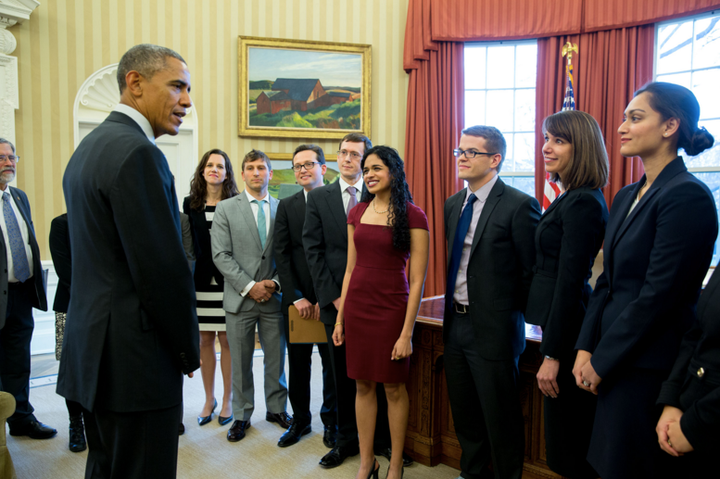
[{"x": 146, "y": 59}]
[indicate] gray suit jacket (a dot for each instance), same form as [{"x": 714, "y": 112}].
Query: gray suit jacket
[{"x": 238, "y": 254}]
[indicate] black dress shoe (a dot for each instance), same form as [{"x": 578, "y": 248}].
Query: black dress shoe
[
  {"x": 34, "y": 430},
  {"x": 202, "y": 420},
  {"x": 386, "y": 452},
  {"x": 181, "y": 429},
  {"x": 330, "y": 436},
  {"x": 224, "y": 420},
  {"x": 282, "y": 418},
  {"x": 338, "y": 454},
  {"x": 77, "y": 434},
  {"x": 294, "y": 434},
  {"x": 237, "y": 430}
]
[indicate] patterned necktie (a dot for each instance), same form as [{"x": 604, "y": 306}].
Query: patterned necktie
[
  {"x": 262, "y": 226},
  {"x": 353, "y": 199},
  {"x": 458, "y": 242},
  {"x": 17, "y": 245}
]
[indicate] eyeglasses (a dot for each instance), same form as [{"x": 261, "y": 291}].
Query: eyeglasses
[
  {"x": 308, "y": 166},
  {"x": 353, "y": 154},
  {"x": 471, "y": 153},
  {"x": 12, "y": 158}
]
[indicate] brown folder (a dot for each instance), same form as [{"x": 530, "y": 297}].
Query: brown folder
[{"x": 305, "y": 330}]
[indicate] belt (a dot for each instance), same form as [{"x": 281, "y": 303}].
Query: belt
[
  {"x": 461, "y": 308},
  {"x": 15, "y": 285}
]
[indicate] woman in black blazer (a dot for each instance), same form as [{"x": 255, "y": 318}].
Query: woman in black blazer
[
  {"x": 567, "y": 240},
  {"x": 657, "y": 249},
  {"x": 691, "y": 417},
  {"x": 212, "y": 182}
]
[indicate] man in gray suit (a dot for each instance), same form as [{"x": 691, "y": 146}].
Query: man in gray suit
[{"x": 241, "y": 239}]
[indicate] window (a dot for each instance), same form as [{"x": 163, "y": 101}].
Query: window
[
  {"x": 687, "y": 52},
  {"x": 500, "y": 91}
]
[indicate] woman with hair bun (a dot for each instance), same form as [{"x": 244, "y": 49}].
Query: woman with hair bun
[{"x": 658, "y": 245}]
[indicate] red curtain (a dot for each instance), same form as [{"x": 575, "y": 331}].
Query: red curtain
[
  {"x": 434, "y": 121},
  {"x": 612, "y": 14},
  {"x": 609, "y": 67}
]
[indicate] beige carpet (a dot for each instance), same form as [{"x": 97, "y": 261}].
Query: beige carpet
[{"x": 204, "y": 451}]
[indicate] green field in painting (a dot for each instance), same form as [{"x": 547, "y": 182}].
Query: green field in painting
[
  {"x": 287, "y": 177},
  {"x": 343, "y": 116}
]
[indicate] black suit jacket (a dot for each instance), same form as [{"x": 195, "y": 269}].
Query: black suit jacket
[
  {"x": 60, "y": 252},
  {"x": 205, "y": 268},
  {"x": 39, "y": 297},
  {"x": 132, "y": 329},
  {"x": 698, "y": 395},
  {"x": 290, "y": 258},
  {"x": 567, "y": 240},
  {"x": 655, "y": 259},
  {"x": 325, "y": 240},
  {"x": 500, "y": 268}
]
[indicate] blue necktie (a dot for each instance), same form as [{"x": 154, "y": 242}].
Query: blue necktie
[
  {"x": 262, "y": 227},
  {"x": 458, "y": 242},
  {"x": 17, "y": 245}
]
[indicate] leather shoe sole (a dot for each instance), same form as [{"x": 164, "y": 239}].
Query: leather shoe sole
[
  {"x": 293, "y": 435},
  {"x": 34, "y": 430},
  {"x": 337, "y": 456}
]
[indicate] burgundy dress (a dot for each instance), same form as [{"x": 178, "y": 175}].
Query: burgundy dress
[{"x": 377, "y": 300}]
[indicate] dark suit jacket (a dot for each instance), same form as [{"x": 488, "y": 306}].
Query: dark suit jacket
[
  {"x": 290, "y": 258},
  {"x": 325, "y": 240},
  {"x": 699, "y": 395},
  {"x": 500, "y": 268},
  {"x": 39, "y": 298},
  {"x": 60, "y": 252},
  {"x": 132, "y": 330},
  {"x": 205, "y": 268},
  {"x": 567, "y": 240},
  {"x": 655, "y": 259}
]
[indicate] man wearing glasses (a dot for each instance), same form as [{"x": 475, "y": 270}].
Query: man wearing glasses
[
  {"x": 21, "y": 276},
  {"x": 309, "y": 167},
  {"x": 490, "y": 230}
]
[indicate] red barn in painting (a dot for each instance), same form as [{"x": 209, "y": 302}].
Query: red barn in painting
[
  {"x": 272, "y": 102},
  {"x": 298, "y": 94}
]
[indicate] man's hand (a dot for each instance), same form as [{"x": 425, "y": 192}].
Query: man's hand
[
  {"x": 270, "y": 285},
  {"x": 316, "y": 312},
  {"x": 305, "y": 308},
  {"x": 259, "y": 292},
  {"x": 547, "y": 377},
  {"x": 336, "y": 303}
]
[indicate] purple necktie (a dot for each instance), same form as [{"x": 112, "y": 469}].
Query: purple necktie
[{"x": 353, "y": 199}]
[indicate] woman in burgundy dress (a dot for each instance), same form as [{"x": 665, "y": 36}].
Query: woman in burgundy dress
[{"x": 378, "y": 307}]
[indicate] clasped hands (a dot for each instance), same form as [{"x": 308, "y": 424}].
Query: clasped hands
[
  {"x": 585, "y": 376},
  {"x": 262, "y": 290},
  {"x": 670, "y": 435}
]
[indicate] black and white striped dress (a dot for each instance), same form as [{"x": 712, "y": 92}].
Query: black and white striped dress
[{"x": 210, "y": 312}]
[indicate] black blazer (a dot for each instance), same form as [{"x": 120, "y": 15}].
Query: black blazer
[
  {"x": 655, "y": 259},
  {"x": 205, "y": 268},
  {"x": 325, "y": 240},
  {"x": 132, "y": 330},
  {"x": 500, "y": 268},
  {"x": 60, "y": 252},
  {"x": 290, "y": 258},
  {"x": 567, "y": 240},
  {"x": 38, "y": 295},
  {"x": 694, "y": 390}
]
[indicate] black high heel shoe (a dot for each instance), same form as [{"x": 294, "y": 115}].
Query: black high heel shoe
[
  {"x": 202, "y": 420},
  {"x": 402, "y": 472},
  {"x": 375, "y": 472}
]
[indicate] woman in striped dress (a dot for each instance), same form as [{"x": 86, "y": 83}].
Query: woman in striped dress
[{"x": 212, "y": 182}]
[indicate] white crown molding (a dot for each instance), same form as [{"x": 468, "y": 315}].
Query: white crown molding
[{"x": 16, "y": 11}]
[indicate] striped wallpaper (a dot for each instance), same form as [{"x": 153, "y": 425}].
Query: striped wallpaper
[{"x": 65, "y": 41}]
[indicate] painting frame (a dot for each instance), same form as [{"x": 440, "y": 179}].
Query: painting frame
[{"x": 245, "y": 43}]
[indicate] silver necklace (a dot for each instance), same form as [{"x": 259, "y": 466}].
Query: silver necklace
[{"x": 379, "y": 212}]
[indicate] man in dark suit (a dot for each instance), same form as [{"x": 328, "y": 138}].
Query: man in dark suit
[
  {"x": 309, "y": 166},
  {"x": 242, "y": 238},
  {"x": 22, "y": 280},
  {"x": 131, "y": 331},
  {"x": 490, "y": 229}
]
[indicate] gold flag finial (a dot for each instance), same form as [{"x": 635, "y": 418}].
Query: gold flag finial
[{"x": 568, "y": 50}]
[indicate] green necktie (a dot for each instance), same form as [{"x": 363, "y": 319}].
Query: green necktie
[{"x": 262, "y": 227}]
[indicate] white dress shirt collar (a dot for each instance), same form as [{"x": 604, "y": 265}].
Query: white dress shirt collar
[{"x": 139, "y": 118}]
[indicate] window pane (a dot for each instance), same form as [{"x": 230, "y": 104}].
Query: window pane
[
  {"x": 524, "y": 152},
  {"x": 674, "y": 47},
  {"x": 509, "y": 161},
  {"x": 474, "y": 108},
  {"x": 500, "y": 109},
  {"x": 525, "y": 184},
  {"x": 707, "y": 42},
  {"x": 705, "y": 87},
  {"x": 525, "y": 110},
  {"x": 710, "y": 157},
  {"x": 502, "y": 60},
  {"x": 684, "y": 79},
  {"x": 713, "y": 182},
  {"x": 525, "y": 65},
  {"x": 475, "y": 67}
]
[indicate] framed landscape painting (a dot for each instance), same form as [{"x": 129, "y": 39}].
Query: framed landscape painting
[{"x": 303, "y": 89}]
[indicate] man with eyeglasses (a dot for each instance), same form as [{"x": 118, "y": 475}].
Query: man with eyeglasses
[
  {"x": 21, "y": 277},
  {"x": 490, "y": 230},
  {"x": 326, "y": 241},
  {"x": 309, "y": 167}
]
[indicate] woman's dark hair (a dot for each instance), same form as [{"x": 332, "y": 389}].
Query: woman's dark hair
[
  {"x": 675, "y": 101},
  {"x": 399, "y": 194},
  {"x": 198, "y": 185}
]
